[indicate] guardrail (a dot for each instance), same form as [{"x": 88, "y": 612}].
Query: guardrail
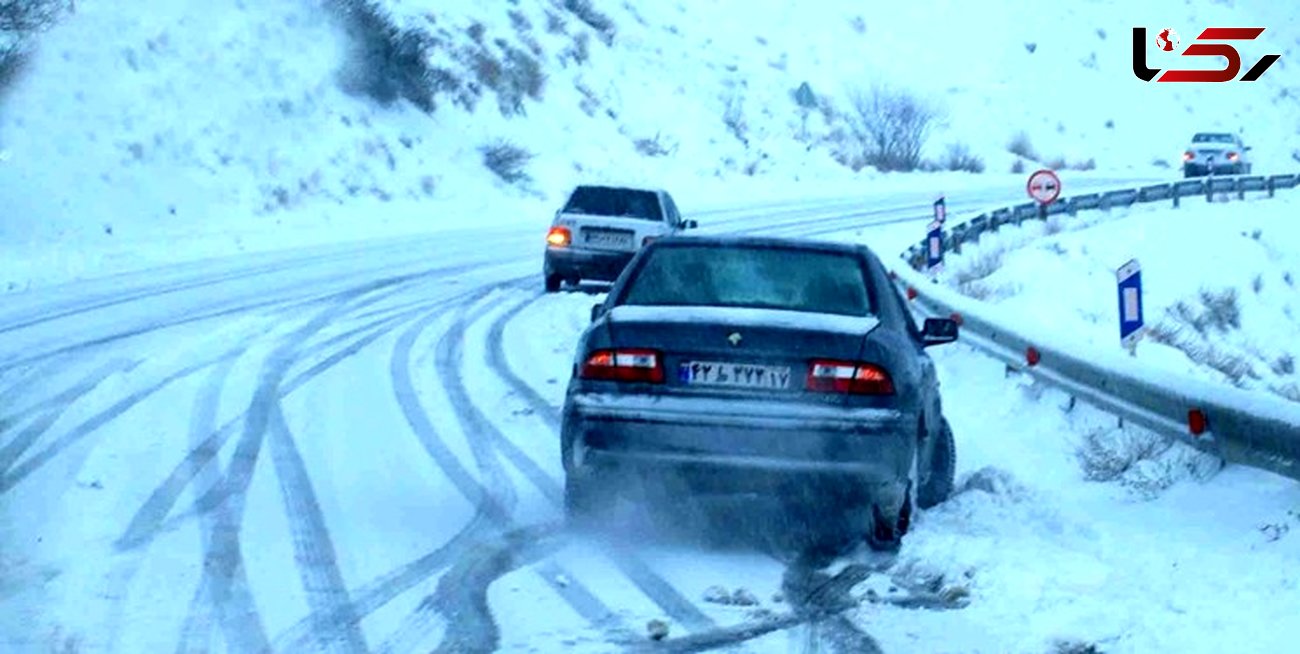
[{"x": 1248, "y": 428}]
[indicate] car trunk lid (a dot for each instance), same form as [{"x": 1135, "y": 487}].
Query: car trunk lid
[{"x": 733, "y": 350}]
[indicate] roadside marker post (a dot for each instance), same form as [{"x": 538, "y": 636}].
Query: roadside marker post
[{"x": 1129, "y": 284}]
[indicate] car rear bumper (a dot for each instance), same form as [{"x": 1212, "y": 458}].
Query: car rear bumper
[
  {"x": 740, "y": 445},
  {"x": 1197, "y": 169},
  {"x": 590, "y": 264}
]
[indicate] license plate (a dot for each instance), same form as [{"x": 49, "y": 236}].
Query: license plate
[
  {"x": 609, "y": 239},
  {"x": 736, "y": 375}
]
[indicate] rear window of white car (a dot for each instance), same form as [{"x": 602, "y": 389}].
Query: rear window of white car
[
  {"x": 614, "y": 202},
  {"x": 755, "y": 277},
  {"x": 1212, "y": 138}
]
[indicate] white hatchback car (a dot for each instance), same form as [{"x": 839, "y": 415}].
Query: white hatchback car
[{"x": 599, "y": 228}]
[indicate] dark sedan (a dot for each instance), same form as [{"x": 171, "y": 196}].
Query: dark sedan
[{"x": 759, "y": 365}]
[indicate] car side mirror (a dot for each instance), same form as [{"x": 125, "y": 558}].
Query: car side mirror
[
  {"x": 690, "y": 224},
  {"x": 938, "y": 331},
  {"x": 597, "y": 310}
]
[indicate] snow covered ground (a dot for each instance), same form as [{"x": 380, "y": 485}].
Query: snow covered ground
[
  {"x": 191, "y": 130},
  {"x": 1221, "y": 284}
]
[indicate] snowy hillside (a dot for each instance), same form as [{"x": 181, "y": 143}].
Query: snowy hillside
[
  {"x": 198, "y": 128},
  {"x": 1221, "y": 284}
]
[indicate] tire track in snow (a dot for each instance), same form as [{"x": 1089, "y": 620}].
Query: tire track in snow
[
  {"x": 223, "y": 561},
  {"x": 226, "y": 598},
  {"x": 50, "y": 410},
  {"x": 22, "y": 471},
  {"x": 150, "y": 520},
  {"x": 472, "y": 627},
  {"x": 654, "y": 586},
  {"x": 313, "y": 548},
  {"x": 488, "y": 511}
]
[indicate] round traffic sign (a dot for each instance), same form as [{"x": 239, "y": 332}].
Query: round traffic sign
[{"x": 1044, "y": 186}]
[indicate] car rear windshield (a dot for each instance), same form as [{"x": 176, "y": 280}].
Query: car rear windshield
[
  {"x": 758, "y": 277},
  {"x": 1212, "y": 138},
  {"x": 616, "y": 202}
]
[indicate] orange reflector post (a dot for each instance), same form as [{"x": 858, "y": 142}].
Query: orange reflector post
[
  {"x": 1196, "y": 422},
  {"x": 1032, "y": 356}
]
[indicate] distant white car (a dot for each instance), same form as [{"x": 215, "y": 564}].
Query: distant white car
[
  {"x": 1218, "y": 153},
  {"x": 599, "y": 228}
]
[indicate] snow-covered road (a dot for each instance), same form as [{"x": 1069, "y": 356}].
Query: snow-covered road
[{"x": 355, "y": 450}]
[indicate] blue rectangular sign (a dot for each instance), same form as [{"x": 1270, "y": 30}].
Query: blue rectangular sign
[
  {"x": 934, "y": 246},
  {"x": 1129, "y": 278}
]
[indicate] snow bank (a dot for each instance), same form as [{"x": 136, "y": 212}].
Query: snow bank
[{"x": 1221, "y": 285}]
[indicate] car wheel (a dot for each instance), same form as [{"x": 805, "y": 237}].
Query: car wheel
[
  {"x": 553, "y": 283},
  {"x": 937, "y": 482}
]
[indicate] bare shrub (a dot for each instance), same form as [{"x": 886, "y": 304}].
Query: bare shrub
[
  {"x": 1086, "y": 164},
  {"x": 554, "y": 22},
  {"x": 959, "y": 158},
  {"x": 514, "y": 76},
  {"x": 387, "y": 63},
  {"x": 1200, "y": 351},
  {"x": 859, "y": 24},
  {"x": 1020, "y": 146},
  {"x": 21, "y": 17},
  {"x": 983, "y": 265},
  {"x": 1159, "y": 163},
  {"x": 1284, "y": 365},
  {"x": 20, "y": 22},
  {"x": 1018, "y": 167},
  {"x": 1056, "y": 164},
  {"x": 1108, "y": 454},
  {"x": 892, "y": 126},
  {"x": 507, "y": 161},
  {"x": 653, "y": 147},
  {"x": 1074, "y": 647},
  {"x": 733, "y": 116},
  {"x": 588, "y": 14},
  {"x": 580, "y": 50},
  {"x": 519, "y": 20},
  {"x": 1257, "y": 284},
  {"x": 1222, "y": 310}
]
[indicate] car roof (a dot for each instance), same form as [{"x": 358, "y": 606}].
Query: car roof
[
  {"x": 620, "y": 187},
  {"x": 757, "y": 242}
]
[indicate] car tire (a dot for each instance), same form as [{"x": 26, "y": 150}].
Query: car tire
[
  {"x": 937, "y": 484},
  {"x": 553, "y": 283}
]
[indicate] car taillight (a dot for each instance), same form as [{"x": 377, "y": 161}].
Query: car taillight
[
  {"x": 559, "y": 236},
  {"x": 625, "y": 365},
  {"x": 1232, "y": 156},
  {"x": 1189, "y": 155},
  {"x": 848, "y": 377},
  {"x": 647, "y": 241}
]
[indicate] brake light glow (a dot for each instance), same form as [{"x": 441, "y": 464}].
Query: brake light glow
[
  {"x": 625, "y": 365},
  {"x": 826, "y": 376},
  {"x": 559, "y": 237},
  {"x": 1189, "y": 155},
  {"x": 1232, "y": 156}
]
